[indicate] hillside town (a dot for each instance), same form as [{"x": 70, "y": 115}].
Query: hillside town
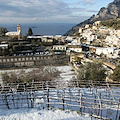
[
  {"x": 105, "y": 40},
  {"x": 60, "y": 60},
  {"x": 91, "y": 41}
]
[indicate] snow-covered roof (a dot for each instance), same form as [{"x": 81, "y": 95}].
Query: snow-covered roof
[
  {"x": 34, "y": 37},
  {"x": 59, "y": 45},
  {"x": 4, "y": 45},
  {"x": 74, "y": 43}
]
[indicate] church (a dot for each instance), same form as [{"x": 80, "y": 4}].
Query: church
[{"x": 18, "y": 33}]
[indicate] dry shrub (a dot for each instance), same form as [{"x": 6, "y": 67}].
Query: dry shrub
[{"x": 47, "y": 73}]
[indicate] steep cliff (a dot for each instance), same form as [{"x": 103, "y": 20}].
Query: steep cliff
[{"x": 111, "y": 11}]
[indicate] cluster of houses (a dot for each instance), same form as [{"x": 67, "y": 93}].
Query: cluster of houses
[
  {"x": 109, "y": 36},
  {"x": 107, "y": 40},
  {"x": 73, "y": 44}
]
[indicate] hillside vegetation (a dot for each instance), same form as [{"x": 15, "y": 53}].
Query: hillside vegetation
[{"x": 112, "y": 23}]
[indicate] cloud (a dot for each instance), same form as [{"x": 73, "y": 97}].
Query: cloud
[
  {"x": 34, "y": 8},
  {"x": 85, "y": 2},
  {"x": 41, "y": 10},
  {"x": 88, "y": 2}
]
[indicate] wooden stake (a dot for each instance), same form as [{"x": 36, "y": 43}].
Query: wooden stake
[
  {"x": 48, "y": 99},
  {"x": 63, "y": 102},
  {"x": 81, "y": 103}
]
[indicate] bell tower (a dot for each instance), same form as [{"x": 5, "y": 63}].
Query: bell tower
[
  {"x": 18, "y": 28},
  {"x": 19, "y": 31}
]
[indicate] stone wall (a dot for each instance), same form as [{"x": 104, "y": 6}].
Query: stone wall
[{"x": 21, "y": 61}]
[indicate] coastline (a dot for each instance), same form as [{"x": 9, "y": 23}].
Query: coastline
[{"x": 41, "y": 28}]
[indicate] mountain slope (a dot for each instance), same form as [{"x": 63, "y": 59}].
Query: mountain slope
[{"x": 105, "y": 13}]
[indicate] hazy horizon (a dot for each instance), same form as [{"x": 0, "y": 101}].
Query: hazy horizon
[{"x": 41, "y": 28}]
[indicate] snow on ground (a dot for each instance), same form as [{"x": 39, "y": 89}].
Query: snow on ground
[
  {"x": 42, "y": 114},
  {"x": 66, "y": 72},
  {"x": 36, "y": 114}
]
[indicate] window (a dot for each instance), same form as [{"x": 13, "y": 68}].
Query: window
[
  {"x": 8, "y": 60},
  {"x": 11, "y": 59},
  {"x": 26, "y": 58},
  {"x": 19, "y": 59},
  {"x": 23, "y": 58},
  {"x": 4, "y": 60},
  {"x": 15, "y": 59},
  {"x": 30, "y": 58}
]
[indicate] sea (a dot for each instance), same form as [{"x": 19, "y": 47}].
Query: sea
[{"x": 41, "y": 28}]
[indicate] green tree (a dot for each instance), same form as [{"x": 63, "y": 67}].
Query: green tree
[
  {"x": 33, "y": 48},
  {"x": 30, "y": 32},
  {"x": 11, "y": 51},
  {"x": 33, "y": 42},
  {"x": 20, "y": 44},
  {"x": 92, "y": 71},
  {"x": 15, "y": 48},
  {"x": 5, "y": 52},
  {"x": 10, "y": 45},
  {"x": 3, "y": 31},
  {"x": 116, "y": 74},
  {"x": 24, "y": 37}
]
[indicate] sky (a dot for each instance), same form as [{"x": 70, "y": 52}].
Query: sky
[{"x": 49, "y": 11}]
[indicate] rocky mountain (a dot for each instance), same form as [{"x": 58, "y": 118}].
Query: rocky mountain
[{"x": 111, "y": 11}]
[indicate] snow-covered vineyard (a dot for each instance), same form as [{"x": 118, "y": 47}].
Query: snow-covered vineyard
[
  {"x": 88, "y": 99},
  {"x": 100, "y": 102}
]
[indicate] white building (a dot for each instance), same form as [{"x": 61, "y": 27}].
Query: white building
[
  {"x": 74, "y": 46},
  {"x": 59, "y": 48},
  {"x": 105, "y": 51},
  {"x": 17, "y": 33},
  {"x": 97, "y": 23},
  {"x": 112, "y": 40}
]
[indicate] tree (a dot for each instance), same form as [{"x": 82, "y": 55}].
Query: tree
[
  {"x": 11, "y": 51},
  {"x": 20, "y": 44},
  {"x": 15, "y": 48},
  {"x": 30, "y": 32},
  {"x": 24, "y": 37},
  {"x": 33, "y": 42},
  {"x": 92, "y": 71},
  {"x": 10, "y": 45},
  {"x": 3, "y": 31},
  {"x": 5, "y": 77},
  {"x": 5, "y": 52},
  {"x": 116, "y": 74}
]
